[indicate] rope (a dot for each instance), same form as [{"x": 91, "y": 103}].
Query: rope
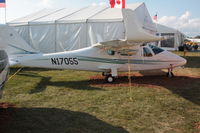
[
  {"x": 15, "y": 73},
  {"x": 129, "y": 77}
]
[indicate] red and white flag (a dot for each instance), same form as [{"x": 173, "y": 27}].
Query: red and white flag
[
  {"x": 2, "y": 3},
  {"x": 117, "y": 3},
  {"x": 155, "y": 18}
]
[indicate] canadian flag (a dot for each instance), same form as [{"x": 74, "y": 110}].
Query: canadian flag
[{"x": 117, "y": 3}]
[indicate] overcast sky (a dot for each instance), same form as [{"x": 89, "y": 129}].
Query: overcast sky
[{"x": 183, "y": 15}]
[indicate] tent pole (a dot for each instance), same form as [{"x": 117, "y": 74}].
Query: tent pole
[{"x": 55, "y": 36}]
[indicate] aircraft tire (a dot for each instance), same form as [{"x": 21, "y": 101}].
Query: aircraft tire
[{"x": 110, "y": 79}]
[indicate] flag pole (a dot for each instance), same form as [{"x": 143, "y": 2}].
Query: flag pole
[
  {"x": 5, "y": 15},
  {"x": 156, "y": 21}
]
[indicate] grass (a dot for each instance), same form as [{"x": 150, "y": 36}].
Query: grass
[{"x": 63, "y": 101}]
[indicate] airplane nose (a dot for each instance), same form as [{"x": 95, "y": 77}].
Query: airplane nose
[{"x": 182, "y": 62}]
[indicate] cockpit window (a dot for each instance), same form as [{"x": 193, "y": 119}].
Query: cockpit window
[
  {"x": 147, "y": 52},
  {"x": 156, "y": 49},
  {"x": 110, "y": 52}
]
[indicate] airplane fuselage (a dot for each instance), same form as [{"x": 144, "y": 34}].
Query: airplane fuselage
[{"x": 99, "y": 60}]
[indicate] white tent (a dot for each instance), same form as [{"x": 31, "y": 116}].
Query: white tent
[
  {"x": 175, "y": 40},
  {"x": 69, "y": 29}
]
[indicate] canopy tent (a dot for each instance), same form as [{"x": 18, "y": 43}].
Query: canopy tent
[
  {"x": 69, "y": 29},
  {"x": 175, "y": 40}
]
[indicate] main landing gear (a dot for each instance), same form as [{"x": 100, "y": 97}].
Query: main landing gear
[
  {"x": 170, "y": 72},
  {"x": 108, "y": 77}
]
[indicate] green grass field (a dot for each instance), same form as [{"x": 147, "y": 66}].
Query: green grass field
[{"x": 63, "y": 101}]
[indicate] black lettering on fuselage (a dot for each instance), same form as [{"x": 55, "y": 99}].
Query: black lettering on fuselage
[
  {"x": 53, "y": 61},
  {"x": 57, "y": 59},
  {"x": 64, "y": 61},
  {"x": 75, "y": 61}
]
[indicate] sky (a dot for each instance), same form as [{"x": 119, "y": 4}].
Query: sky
[{"x": 183, "y": 15}]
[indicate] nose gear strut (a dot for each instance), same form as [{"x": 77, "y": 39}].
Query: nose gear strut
[{"x": 170, "y": 71}]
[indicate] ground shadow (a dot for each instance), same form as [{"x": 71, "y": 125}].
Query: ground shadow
[
  {"x": 30, "y": 69},
  {"x": 46, "y": 81},
  {"x": 52, "y": 120},
  {"x": 193, "y": 61},
  {"x": 186, "y": 87}
]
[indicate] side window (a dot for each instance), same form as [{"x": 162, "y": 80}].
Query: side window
[
  {"x": 147, "y": 52},
  {"x": 155, "y": 49},
  {"x": 110, "y": 52}
]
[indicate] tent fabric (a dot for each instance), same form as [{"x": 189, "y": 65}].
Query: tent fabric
[
  {"x": 100, "y": 32},
  {"x": 69, "y": 29},
  {"x": 177, "y": 35},
  {"x": 43, "y": 40},
  {"x": 71, "y": 37}
]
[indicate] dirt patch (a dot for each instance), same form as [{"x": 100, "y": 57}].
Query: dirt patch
[
  {"x": 6, "y": 111},
  {"x": 137, "y": 79},
  {"x": 6, "y": 105},
  {"x": 197, "y": 126}
]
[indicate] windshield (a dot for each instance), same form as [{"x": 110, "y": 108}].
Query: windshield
[{"x": 156, "y": 49}]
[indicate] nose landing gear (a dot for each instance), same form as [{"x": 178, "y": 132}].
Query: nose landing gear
[{"x": 170, "y": 72}]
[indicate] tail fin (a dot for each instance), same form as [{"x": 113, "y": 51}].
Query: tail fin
[{"x": 13, "y": 43}]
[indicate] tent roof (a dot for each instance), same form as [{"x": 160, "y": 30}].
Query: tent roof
[
  {"x": 92, "y": 13},
  {"x": 31, "y": 17},
  {"x": 165, "y": 29},
  {"x": 51, "y": 18},
  {"x": 110, "y": 14},
  {"x": 83, "y": 14}
]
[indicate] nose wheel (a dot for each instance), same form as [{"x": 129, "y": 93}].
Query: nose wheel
[
  {"x": 170, "y": 75},
  {"x": 170, "y": 72}
]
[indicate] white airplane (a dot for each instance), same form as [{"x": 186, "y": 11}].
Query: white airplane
[{"x": 107, "y": 57}]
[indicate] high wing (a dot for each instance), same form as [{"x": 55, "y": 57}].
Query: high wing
[{"x": 139, "y": 29}]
